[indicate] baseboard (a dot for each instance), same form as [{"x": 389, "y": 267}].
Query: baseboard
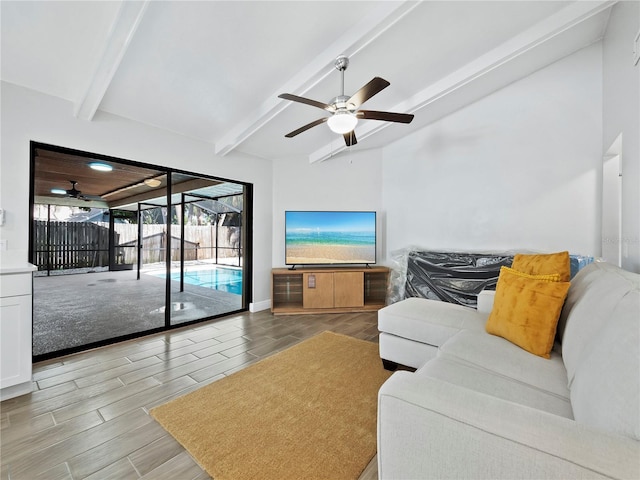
[
  {"x": 15, "y": 390},
  {"x": 259, "y": 306}
]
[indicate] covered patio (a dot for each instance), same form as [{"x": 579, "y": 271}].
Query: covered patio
[{"x": 87, "y": 308}]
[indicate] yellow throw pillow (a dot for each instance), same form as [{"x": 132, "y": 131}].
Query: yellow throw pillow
[
  {"x": 526, "y": 309},
  {"x": 544, "y": 264}
]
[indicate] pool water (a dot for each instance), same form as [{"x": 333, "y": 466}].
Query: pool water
[{"x": 223, "y": 279}]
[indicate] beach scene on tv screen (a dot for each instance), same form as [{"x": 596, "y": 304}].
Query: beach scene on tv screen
[{"x": 330, "y": 237}]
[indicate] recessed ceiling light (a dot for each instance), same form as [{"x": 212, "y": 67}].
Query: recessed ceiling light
[
  {"x": 58, "y": 191},
  {"x": 152, "y": 182},
  {"x": 102, "y": 167}
]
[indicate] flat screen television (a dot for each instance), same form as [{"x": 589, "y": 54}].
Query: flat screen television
[{"x": 330, "y": 238}]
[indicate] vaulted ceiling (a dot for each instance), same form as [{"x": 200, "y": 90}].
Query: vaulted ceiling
[{"x": 213, "y": 70}]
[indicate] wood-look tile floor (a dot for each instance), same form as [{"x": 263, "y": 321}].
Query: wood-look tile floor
[{"x": 88, "y": 414}]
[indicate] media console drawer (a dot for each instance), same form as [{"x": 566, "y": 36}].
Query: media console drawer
[{"x": 328, "y": 290}]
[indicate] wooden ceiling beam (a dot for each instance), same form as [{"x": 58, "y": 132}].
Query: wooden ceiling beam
[
  {"x": 519, "y": 45},
  {"x": 160, "y": 192},
  {"x": 122, "y": 31}
]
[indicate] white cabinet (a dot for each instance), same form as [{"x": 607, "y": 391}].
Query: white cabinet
[{"x": 15, "y": 330}]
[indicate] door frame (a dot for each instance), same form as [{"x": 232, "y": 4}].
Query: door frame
[{"x": 113, "y": 265}]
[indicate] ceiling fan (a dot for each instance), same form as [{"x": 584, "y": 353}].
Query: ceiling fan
[
  {"x": 345, "y": 110},
  {"x": 73, "y": 192}
]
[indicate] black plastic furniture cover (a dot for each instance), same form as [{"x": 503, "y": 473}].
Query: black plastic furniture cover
[{"x": 452, "y": 277}]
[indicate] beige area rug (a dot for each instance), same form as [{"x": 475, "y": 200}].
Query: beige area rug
[{"x": 308, "y": 412}]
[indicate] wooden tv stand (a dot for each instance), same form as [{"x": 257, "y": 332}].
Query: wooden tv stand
[{"x": 328, "y": 290}]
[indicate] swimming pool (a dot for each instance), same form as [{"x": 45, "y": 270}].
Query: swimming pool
[{"x": 218, "y": 278}]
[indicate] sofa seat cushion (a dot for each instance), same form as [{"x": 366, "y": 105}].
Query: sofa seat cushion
[
  {"x": 490, "y": 383},
  {"x": 428, "y": 321},
  {"x": 501, "y": 357},
  {"x": 404, "y": 351}
]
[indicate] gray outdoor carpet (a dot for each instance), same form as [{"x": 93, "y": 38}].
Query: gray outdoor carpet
[{"x": 74, "y": 310}]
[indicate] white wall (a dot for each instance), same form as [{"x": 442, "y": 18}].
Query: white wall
[
  {"x": 518, "y": 169},
  {"x": 621, "y": 116},
  {"x": 28, "y": 115},
  {"x": 347, "y": 182}
]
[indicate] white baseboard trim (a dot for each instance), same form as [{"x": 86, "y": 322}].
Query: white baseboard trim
[
  {"x": 16, "y": 390},
  {"x": 259, "y": 306}
]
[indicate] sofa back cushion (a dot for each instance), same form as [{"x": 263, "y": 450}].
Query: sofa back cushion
[
  {"x": 579, "y": 285},
  {"x": 605, "y": 392},
  {"x": 594, "y": 294}
]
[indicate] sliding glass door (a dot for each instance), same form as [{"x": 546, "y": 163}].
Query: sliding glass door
[
  {"x": 207, "y": 258},
  {"x": 152, "y": 248}
]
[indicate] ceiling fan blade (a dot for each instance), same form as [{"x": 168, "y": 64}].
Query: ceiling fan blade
[
  {"x": 89, "y": 198},
  {"x": 365, "y": 93},
  {"x": 307, "y": 101},
  {"x": 385, "y": 116},
  {"x": 306, "y": 127},
  {"x": 350, "y": 138}
]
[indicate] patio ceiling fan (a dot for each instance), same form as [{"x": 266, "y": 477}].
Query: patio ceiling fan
[
  {"x": 345, "y": 111},
  {"x": 73, "y": 192}
]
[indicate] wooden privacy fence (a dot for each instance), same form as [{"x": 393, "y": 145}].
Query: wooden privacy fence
[
  {"x": 201, "y": 242},
  {"x": 154, "y": 248},
  {"x": 70, "y": 245}
]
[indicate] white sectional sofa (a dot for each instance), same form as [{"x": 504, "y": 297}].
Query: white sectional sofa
[{"x": 479, "y": 406}]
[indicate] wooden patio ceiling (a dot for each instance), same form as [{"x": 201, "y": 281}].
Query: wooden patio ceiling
[{"x": 124, "y": 185}]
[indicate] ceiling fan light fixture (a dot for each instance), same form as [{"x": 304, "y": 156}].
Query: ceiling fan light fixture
[
  {"x": 101, "y": 167},
  {"x": 346, "y": 110},
  {"x": 58, "y": 191},
  {"x": 342, "y": 122},
  {"x": 152, "y": 182}
]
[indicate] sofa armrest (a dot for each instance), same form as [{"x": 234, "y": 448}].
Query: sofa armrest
[
  {"x": 485, "y": 301},
  {"x": 429, "y": 428}
]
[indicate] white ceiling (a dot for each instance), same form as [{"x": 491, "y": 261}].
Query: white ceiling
[{"x": 212, "y": 70}]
